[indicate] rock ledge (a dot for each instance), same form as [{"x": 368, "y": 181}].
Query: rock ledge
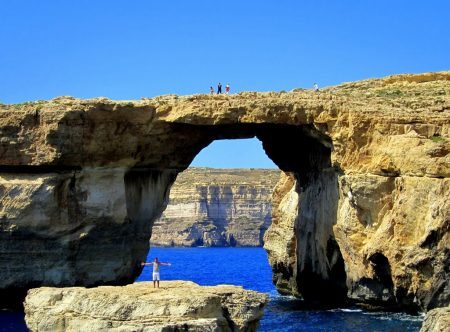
[{"x": 177, "y": 305}]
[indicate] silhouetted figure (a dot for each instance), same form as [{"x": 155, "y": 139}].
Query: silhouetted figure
[
  {"x": 219, "y": 88},
  {"x": 211, "y": 90}
]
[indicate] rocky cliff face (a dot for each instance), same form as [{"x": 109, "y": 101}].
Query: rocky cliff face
[
  {"x": 362, "y": 213},
  {"x": 176, "y": 306},
  {"x": 217, "y": 207}
]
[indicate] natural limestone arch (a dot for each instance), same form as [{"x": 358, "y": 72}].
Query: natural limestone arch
[{"x": 82, "y": 180}]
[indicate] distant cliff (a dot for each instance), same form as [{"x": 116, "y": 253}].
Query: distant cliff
[{"x": 217, "y": 207}]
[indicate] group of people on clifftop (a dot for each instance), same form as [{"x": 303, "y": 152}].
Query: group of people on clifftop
[
  {"x": 219, "y": 89},
  {"x": 227, "y": 89}
]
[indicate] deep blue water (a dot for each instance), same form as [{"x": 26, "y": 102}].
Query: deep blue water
[
  {"x": 12, "y": 321},
  {"x": 249, "y": 267}
]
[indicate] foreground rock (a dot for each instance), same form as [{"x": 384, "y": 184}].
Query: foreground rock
[
  {"x": 362, "y": 212},
  {"x": 437, "y": 320},
  {"x": 177, "y": 305},
  {"x": 217, "y": 208}
]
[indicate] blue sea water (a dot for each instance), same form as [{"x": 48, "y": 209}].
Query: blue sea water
[
  {"x": 12, "y": 321},
  {"x": 249, "y": 268}
]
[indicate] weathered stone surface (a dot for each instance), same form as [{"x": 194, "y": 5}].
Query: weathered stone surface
[
  {"x": 389, "y": 242},
  {"x": 217, "y": 207},
  {"x": 366, "y": 212},
  {"x": 177, "y": 305},
  {"x": 437, "y": 320},
  {"x": 74, "y": 228},
  {"x": 398, "y": 228},
  {"x": 280, "y": 240}
]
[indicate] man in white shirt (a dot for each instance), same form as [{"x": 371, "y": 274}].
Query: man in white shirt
[{"x": 156, "y": 264}]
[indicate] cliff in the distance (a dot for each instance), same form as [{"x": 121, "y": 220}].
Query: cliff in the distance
[{"x": 217, "y": 207}]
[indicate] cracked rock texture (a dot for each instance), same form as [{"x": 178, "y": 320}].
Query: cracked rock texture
[
  {"x": 218, "y": 208},
  {"x": 176, "y": 306},
  {"x": 437, "y": 320},
  {"x": 361, "y": 213}
]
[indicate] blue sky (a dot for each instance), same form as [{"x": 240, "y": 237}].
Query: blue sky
[
  {"x": 133, "y": 49},
  {"x": 236, "y": 153}
]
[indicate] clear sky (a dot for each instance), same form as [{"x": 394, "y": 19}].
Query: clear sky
[
  {"x": 140, "y": 48},
  {"x": 236, "y": 153}
]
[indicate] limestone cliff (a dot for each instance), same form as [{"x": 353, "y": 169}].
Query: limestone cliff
[
  {"x": 176, "y": 306},
  {"x": 363, "y": 215},
  {"x": 217, "y": 207}
]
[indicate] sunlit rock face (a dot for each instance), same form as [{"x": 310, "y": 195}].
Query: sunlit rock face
[
  {"x": 176, "y": 306},
  {"x": 218, "y": 208},
  {"x": 437, "y": 320},
  {"x": 391, "y": 233},
  {"x": 362, "y": 212}
]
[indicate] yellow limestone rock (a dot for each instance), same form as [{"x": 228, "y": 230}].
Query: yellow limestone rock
[
  {"x": 437, "y": 320},
  {"x": 364, "y": 215},
  {"x": 177, "y": 305}
]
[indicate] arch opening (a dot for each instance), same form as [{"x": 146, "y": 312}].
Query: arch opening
[
  {"x": 305, "y": 260},
  {"x": 225, "y": 206}
]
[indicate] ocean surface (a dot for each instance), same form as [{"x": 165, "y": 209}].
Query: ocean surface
[{"x": 249, "y": 268}]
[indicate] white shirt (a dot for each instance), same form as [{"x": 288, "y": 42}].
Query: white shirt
[{"x": 156, "y": 267}]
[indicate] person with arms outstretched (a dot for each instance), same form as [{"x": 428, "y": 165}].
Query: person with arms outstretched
[{"x": 156, "y": 264}]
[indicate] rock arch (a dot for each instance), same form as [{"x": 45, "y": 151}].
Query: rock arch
[{"x": 82, "y": 180}]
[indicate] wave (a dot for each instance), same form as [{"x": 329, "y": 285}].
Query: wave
[
  {"x": 346, "y": 310},
  {"x": 399, "y": 316}
]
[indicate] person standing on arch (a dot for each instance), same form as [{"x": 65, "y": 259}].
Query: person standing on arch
[
  {"x": 156, "y": 264},
  {"x": 227, "y": 89},
  {"x": 211, "y": 90},
  {"x": 219, "y": 88}
]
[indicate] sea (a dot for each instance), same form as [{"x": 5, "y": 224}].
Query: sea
[{"x": 249, "y": 267}]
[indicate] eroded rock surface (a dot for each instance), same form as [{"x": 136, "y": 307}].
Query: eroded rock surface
[
  {"x": 176, "y": 306},
  {"x": 217, "y": 207},
  {"x": 437, "y": 320},
  {"x": 364, "y": 213}
]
